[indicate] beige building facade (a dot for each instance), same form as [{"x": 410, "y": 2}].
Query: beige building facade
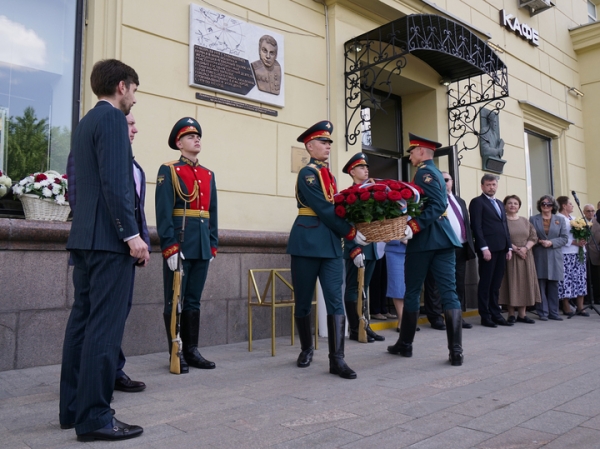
[{"x": 251, "y": 153}]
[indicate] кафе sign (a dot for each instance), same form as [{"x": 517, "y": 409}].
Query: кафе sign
[{"x": 523, "y": 30}]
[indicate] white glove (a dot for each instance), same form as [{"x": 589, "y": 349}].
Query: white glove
[
  {"x": 172, "y": 261},
  {"x": 360, "y": 239},
  {"x": 409, "y": 233},
  {"x": 359, "y": 260},
  {"x": 211, "y": 259}
]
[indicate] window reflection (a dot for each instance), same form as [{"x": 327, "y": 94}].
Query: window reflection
[{"x": 36, "y": 84}]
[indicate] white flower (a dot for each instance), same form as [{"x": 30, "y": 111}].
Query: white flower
[
  {"x": 44, "y": 182},
  {"x": 56, "y": 189},
  {"x": 46, "y": 192},
  {"x": 37, "y": 185},
  {"x": 60, "y": 199},
  {"x": 18, "y": 190},
  {"x": 3, "y": 190}
]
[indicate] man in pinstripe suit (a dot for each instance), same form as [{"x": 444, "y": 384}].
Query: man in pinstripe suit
[{"x": 104, "y": 242}]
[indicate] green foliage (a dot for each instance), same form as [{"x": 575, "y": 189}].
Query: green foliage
[{"x": 27, "y": 144}]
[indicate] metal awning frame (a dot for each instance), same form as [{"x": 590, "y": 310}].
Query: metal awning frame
[{"x": 476, "y": 77}]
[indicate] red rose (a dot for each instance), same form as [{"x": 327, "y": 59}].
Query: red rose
[
  {"x": 379, "y": 188},
  {"x": 365, "y": 196},
  {"x": 40, "y": 177},
  {"x": 406, "y": 193},
  {"x": 351, "y": 199},
  {"x": 339, "y": 198},
  {"x": 340, "y": 211},
  {"x": 395, "y": 185},
  {"x": 64, "y": 176},
  {"x": 57, "y": 181},
  {"x": 394, "y": 195},
  {"x": 380, "y": 196}
]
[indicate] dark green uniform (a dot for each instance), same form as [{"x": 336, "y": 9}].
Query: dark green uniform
[
  {"x": 201, "y": 228},
  {"x": 432, "y": 246},
  {"x": 315, "y": 241}
]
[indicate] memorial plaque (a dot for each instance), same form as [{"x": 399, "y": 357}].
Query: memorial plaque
[
  {"x": 222, "y": 71},
  {"x": 231, "y": 56}
]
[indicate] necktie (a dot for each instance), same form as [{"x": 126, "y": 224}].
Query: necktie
[
  {"x": 463, "y": 234},
  {"x": 495, "y": 203}
]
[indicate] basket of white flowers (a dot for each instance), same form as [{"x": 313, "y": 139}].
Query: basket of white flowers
[{"x": 44, "y": 196}]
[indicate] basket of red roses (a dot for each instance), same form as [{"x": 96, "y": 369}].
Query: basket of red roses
[{"x": 380, "y": 208}]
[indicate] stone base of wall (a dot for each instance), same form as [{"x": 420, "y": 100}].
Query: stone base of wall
[{"x": 36, "y": 293}]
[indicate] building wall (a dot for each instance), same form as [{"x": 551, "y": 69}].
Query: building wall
[{"x": 251, "y": 153}]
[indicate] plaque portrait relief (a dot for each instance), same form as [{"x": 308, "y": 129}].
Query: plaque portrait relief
[
  {"x": 221, "y": 49},
  {"x": 267, "y": 70},
  {"x": 491, "y": 145}
]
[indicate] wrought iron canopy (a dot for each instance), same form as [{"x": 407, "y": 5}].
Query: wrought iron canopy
[{"x": 473, "y": 71}]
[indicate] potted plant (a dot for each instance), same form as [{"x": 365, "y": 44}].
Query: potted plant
[
  {"x": 44, "y": 196},
  {"x": 380, "y": 208}
]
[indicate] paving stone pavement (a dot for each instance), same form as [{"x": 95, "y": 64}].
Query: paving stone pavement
[{"x": 521, "y": 387}]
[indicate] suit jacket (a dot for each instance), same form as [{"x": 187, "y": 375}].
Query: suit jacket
[
  {"x": 549, "y": 261},
  {"x": 431, "y": 229},
  {"x": 140, "y": 215},
  {"x": 105, "y": 185},
  {"x": 488, "y": 228},
  {"x": 591, "y": 247},
  {"x": 317, "y": 235},
  {"x": 467, "y": 222}
]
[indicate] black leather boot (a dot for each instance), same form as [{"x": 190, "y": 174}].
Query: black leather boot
[
  {"x": 336, "y": 328},
  {"x": 408, "y": 327},
  {"x": 190, "y": 328},
  {"x": 183, "y": 366},
  {"x": 353, "y": 322},
  {"x": 306, "y": 341},
  {"x": 371, "y": 333},
  {"x": 454, "y": 334}
]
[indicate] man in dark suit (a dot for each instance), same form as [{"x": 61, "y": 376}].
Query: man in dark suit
[
  {"x": 122, "y": 381},
  {"x": 431, "y": 249},
  {"x": 315, "y": 244},
  {"x": 458, "y": 215},
  {"x": 105, "y": 243},
  {"x": 492, "y": 242}
]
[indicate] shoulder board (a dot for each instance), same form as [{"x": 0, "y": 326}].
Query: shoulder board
[
  {"x": 168, "y": 164},
  {"x": 313, "y": 166}
]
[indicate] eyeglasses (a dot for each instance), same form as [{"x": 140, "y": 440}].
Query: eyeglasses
[
  {"x": 447, "y": 179},
  {"x": 547, "y": 204}
]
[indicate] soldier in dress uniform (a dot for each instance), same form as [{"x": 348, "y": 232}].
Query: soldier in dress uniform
[
  {"x": 432, "y": 247},
  {"x": 357, "y": 256},
  {"x": 184, "y": 186},
  {"x": 315, "y": 244}
]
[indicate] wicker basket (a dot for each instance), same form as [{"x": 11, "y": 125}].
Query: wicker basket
[
  {"x": 383, "y": 231},
  {"x": 37, "y": 208}
]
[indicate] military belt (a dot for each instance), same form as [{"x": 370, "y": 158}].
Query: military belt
[
  {"x": 191, "y": 213},
  {"x": 307, "y": 211}
]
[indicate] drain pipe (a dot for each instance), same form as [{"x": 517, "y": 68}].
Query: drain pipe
[{"x": 327, "y": 55}]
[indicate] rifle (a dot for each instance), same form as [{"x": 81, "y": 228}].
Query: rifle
[
  {"x": 177, "y": 344},
  {"x": 361, "y": 306},
  {"x": 176, "y": 348}
]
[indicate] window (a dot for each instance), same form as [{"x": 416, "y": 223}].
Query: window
[
  {"x": 39, "y": 73},
  {"x": 591, "y": 10},
  {"x": 538, "y": 159},
  {"x": 382, "y": 134}
]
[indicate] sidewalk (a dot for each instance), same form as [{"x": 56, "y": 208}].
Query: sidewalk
[{"x": 526, "y": 386}]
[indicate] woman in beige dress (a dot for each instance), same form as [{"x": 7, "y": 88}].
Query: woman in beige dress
[{"x": 519, "y": 286}]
